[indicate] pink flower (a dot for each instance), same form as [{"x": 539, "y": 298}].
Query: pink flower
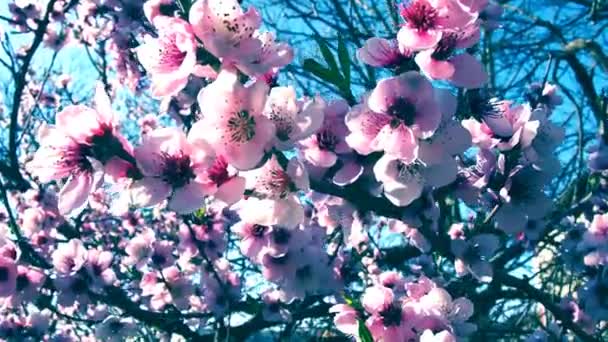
[
  {"x": 503, "y": 125},
  {"x": 425, "y": 21},
  {"x": 441, "y": 62},
  {"x": 388, "y": 318},
  {"x": 232, "y": 120},
  {"x": 450, "y": 138},
  {"x": 472, "y": 256},
  {"x": 379, "y": 52},
  {"x": 403, "y": 183},
  {"x": 75, "y": 147},
  {"x": 231, "y": 34},
  {"x": 140, "y": 248},
  {"x": 322, "y": 148},
  {"x": 174, "y": 166},
  {"x": 439, "y": 302},
  {"x": 8, "y": 277},
  {"x": 523, "y": 199},
  {"x": 98, "y": 268},
  {"x": 346, "y": 319},
  {"x": 401, "y": 111},
  {"x": 273, "y": 312},
  {"x": 170, "y": 58},
  {"x": 224, "y": 27},
  {"x": 270, "y": 56},
  {"x": 226, "y": 186},
  {"x": 274, "y": 199},
  {"x": 293, "y": 119},
  {"x": 27, "y": 286},
  {"x": 254, "y": 238},
  {"x": 69, "y": 257}
]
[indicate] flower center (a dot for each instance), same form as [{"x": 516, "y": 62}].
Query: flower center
[
  {"x": 258, "y": 230},
  {"x": 283, "y": 125},
  {"x": 241, "y": 127},
  {"x": 169, "y": 54},
  {"x": 275, "y": 183},
  {"x": 327, "y": 140},
  {"x": 408, "y": 172},
  {"x": 74, "y": 157},
  {"x": 218, "y": 172},
  {"x": 177, "y": 170},
  {"x": 420, "y": 15},
  {"x": 402, "y": 111},
  {"x": 104, "y": 145},
  {"x": 445, "y": 47},
  {"x": 391, "y": 316}
]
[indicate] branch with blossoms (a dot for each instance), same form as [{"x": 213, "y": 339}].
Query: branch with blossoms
[{"x": 411, "y": 206}]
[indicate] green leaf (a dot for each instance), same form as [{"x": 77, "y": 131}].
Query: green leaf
[
  {"x": 349, "y": 300},
  {"x": 327, "y": 55},
  {"x": 364, "y": 334},
  {"x": 344, "y": 59},
  {"x": 200, "y": 213},
  {"x": 320, "y": 71}
]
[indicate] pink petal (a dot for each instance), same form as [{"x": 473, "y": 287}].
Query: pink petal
[
  {"x": 231, "y": 191},
  {"x": 149, "y": 191},
  {"x": 187, "y": 198},
  {"x": 399, "y": 142},
  {"x": 75, "y": 192},
  {"x": 469, "y": 72},
  {"x": 435, "y": 69},
  {"x": 413, "y": 39}
]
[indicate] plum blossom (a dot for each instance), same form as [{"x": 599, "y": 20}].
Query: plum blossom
[
  {"x": 382, "y": 53},
  {"x": 254, "y": 238},
  {"x": 522, "y": 199},
  {"x": 461, "y": 69},
  {"x": 274, "y": 199},
  {"x": 346, "y": 319},
  {"x": 321, "y": 148},
  {"x": 82, "y": 140},
  {"x": 293, "y": 119},
  {"x": 98, "y": 268},
  {"x": 389, "y": 319},
  {"x": 233, "y": 122},
  {"x": 401, "y": 111},
  {"x": 27, "y": 285},
  {"x": 426, "y": 20},
  {"x": 232, "y": 34},
  {"x": 503, "y": 125},
  {"x": 170, "y": 58},
  {"x": 472, "y": 256},
  {"x": 70, "y": 257},
  {"x": 174, "y": 167}
]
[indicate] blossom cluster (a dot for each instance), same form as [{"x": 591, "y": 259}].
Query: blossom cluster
[{"x": 252, "y": 182}]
